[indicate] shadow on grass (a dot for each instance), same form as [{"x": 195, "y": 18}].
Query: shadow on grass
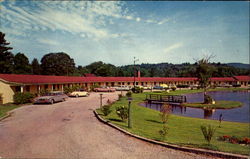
[
  {"x": 117, "y": 120},
  {"x": 154, "y": 121}
]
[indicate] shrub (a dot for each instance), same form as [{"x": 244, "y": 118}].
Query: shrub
[
  {"x": 21, "y": 98},
  {"x": 163, "y": 132},
  {"x": 137, "y": 89},
  {"x": 122, "y": 112},
  {"x": 106, "y": 110},
  {"x": 173, "y": 88},
  {"x": 129, "y": 94},
  {"x": 182, "y": 86},
  {"x": 208, "y": 132},
  {"x": 165, "y": 113},
  {"x": 44, "y": 91},
  {"x": 208, "y": 99},
  {"x": 94, "y": 86}
]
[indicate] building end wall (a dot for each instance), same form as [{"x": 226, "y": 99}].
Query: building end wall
[{"x": 7, "y": 92}]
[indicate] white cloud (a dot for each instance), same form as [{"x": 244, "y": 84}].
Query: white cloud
[
  {"x": 48, "y": 41},
  {"x": 172, "y": 47},
  {"x": 80, "y": 17},
  {"x": 138, "y": 19}
]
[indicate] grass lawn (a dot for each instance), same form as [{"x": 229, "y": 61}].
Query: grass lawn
[
  {"x": 7, "y": 107},
  {"x": 182, "y": 130},
  {"x": 218, "y": 105}
]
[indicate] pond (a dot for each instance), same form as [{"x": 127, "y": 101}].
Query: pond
[{"x": 240, "y": 114}]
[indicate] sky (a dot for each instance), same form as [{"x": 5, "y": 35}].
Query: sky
[{"x": 115, "y": 32}]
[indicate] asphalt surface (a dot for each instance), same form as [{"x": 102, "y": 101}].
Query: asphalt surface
[{"x": 70, "y": 130}]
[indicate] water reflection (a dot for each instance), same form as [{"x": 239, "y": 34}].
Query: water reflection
[{"x": 240, "y": 114}]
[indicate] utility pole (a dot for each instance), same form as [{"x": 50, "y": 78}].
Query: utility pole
[{"x": 135, "y": 60}]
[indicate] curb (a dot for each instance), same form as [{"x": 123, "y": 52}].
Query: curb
[
  {"x": 176, "y": 147},
  {"x": 8, "y": 114}
]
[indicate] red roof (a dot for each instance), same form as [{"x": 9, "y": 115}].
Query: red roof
[
  {"x": 45, "y": 79},
  {"x": 242, "y": 78},
  {"x": 222, "y": 79}
]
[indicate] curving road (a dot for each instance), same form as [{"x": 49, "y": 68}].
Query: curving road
[{"x": 70, "y": 130}]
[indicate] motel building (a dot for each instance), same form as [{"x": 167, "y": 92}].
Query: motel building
[{"x": 12, "y": 83}]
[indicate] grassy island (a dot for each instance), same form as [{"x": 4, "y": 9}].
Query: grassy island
[{"x": 217, "y": 105}]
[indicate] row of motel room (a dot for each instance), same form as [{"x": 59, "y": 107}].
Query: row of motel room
[{"x": 12, "y": 83}]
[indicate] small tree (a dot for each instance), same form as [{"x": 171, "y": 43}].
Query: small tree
[
  {"x": 106, "y": 110},
  {"x": 1, "y": 98},
  {"x": 165, "y": 113},
  {"x": 163, "y": 132},
  {"x": 122, "y": 112},
  {"x": 208, "y": 132}
]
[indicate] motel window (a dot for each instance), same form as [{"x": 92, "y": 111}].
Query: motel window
[
  {"x": 142, "y": 83},
  {"x": 46, "y": 86},
  {"x": 119, "y": 83},
  {"x": 112, "y": 84},
  {"x": 128, "y": 83},
  {"x": 122, "y": 83},
  {"x": 107, "y": 83}
]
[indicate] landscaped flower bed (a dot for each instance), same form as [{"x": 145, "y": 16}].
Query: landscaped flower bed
[{"x": 235, "y": 140}]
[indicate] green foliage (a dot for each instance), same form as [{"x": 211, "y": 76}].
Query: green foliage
[
  {"x": 67, "y": 90},
  {"x": 44, "y": 91},
  {"x": 208, "y": 99},
  {"x": 119, "y": 96},
  {"x": 21, "y": 98},
  {"x": 173, "y": 88},
  {"x": 165, "y": 112},
  {"x": 57, "y": 64},
  {"x": 122, "y": 112},
  {"x": 6, "y": 57},
  {"x": 137, "y": 89},
  {"x": 208, "y": 132},
  {"x": 36, "y": 68},
  {"x": 129, "y": 94},
  {"x": 95, "y": 85},
  {"x": 106, "y": 110},
  {"x": 21, "y": 64}
]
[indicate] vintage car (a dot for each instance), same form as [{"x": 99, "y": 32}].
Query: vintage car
[
  {"x": 51, "y": 98},
  {"x": 104, "y": 89},
  {"x": 79, "y": 93},
  {"x": 122, "y": 88}
]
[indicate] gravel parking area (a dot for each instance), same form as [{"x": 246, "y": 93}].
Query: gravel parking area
[{"x": 70, "y": 130}]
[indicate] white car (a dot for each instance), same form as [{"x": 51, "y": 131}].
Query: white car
[
  {"x": 79, "y": 93},
  {"x": 122, "y": 88}
]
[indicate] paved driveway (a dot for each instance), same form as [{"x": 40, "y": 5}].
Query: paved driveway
[{"x": 70, "y": 130}]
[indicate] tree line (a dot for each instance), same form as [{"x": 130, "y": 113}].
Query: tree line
[{"x": 62, "y": 64}]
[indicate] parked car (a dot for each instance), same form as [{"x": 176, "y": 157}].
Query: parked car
[
  {"x": 104, "y": 89},
  {"x": 147, "y": 87},
  {"x": 158, "y": 87},
  {"x": 122, "y": 88},
  {"x": 51, "y": 98},
  {"x": 79, "y": 93}
]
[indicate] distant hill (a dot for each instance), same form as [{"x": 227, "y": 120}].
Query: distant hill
[{"x": 239, "y": 65}]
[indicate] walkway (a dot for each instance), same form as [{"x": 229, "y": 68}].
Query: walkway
[{"x": 70, "y": 130}]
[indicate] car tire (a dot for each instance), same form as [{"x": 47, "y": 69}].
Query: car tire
[{"x": 52, "y": 101}]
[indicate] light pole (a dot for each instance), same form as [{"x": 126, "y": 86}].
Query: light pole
[
  {"x": 100, "y": 100},
  {"x": 135, "y": 60},
  {"x": 129, "y": 113}
]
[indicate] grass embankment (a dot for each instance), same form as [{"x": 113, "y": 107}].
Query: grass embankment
[
  {"x": 218, "y": 105},
  {"x": 182, "y": 130},
  {"x": 4, "y": 108}
]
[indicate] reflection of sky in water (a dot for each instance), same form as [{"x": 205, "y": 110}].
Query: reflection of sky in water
[{"x": 240, "y": 114}]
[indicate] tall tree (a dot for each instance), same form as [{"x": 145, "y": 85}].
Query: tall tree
[
  {"x": 36, "y": 68},
  {"x": 21, "y": 64},
  {"x": 57, "y": 64},
  {"x": 6, "y": 57},
  {"x": 204, "y": 72}
]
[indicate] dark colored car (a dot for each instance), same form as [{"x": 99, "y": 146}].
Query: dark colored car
[{"x": 51, "y": 98}]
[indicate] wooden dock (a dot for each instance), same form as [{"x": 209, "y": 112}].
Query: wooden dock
[{"x": 158, "y": 98}]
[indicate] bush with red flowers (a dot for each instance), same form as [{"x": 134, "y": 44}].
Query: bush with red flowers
[{"x": 235, "y": 140}]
